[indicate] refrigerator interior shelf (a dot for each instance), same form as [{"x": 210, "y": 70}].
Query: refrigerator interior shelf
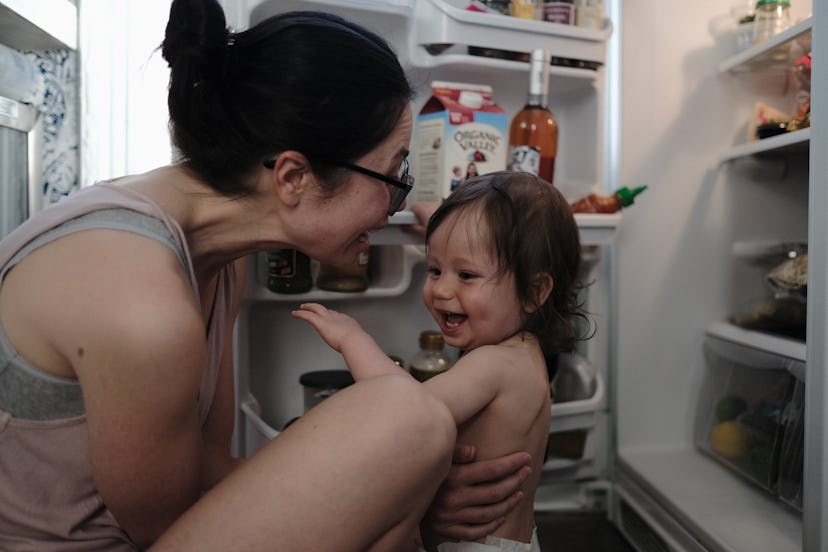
[
  {"x": 797, "y": 141},
  {"x": 39, "y": 25},
  {"x": 777, "y": 345},
  {"x": 756, "y": 57},
  {"x": 447, "y": 22},
  {"x": 727, "y": 512},
  {"x": 393, "y": 277}
]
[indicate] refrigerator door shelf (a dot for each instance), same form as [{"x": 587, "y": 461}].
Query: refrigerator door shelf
[
  {"x": 565, "y": 416},
  {"x": 392, "y": 277},
  {"x": 447, "y": 22}
]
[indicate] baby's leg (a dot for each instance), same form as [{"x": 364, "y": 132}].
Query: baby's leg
[{"x": 355, "y": 473}]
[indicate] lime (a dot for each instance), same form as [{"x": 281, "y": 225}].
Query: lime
[{"x": 728, "y": 408}]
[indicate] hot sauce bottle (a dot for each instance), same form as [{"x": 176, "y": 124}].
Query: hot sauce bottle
[{"x": 597, "y": 203}]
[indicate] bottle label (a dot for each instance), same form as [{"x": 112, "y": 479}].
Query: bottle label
[
  {"x": 524, "y": 159},
  {"x": 282, "y": 263}
]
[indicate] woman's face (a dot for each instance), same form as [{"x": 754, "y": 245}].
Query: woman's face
[{"x": 339, "y": 223}]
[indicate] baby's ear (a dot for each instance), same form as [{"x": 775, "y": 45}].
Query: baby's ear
[{"x": 542, "y": 286}]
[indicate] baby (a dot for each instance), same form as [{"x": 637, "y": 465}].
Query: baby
[{"x": 503, "y": 257}]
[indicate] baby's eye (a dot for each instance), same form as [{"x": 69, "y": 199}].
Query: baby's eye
[
  {"x": 433, "y": 271},
  {"x": 466, "y": 275}
]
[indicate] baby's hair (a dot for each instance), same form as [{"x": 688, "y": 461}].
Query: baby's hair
[{"x": 532, "y": 232}]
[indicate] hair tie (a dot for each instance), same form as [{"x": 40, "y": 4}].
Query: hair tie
[{"x": 230, "y": 52}]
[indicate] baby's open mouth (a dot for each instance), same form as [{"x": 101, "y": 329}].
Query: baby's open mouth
[{"x": 452, "y": 320}]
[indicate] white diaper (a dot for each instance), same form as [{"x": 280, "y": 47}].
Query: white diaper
[{"x": 492, "y": 544}]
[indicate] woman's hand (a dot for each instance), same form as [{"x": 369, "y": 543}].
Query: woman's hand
[{"x": 476, "y": 496}]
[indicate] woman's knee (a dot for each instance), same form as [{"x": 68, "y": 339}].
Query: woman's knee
[{"x": 426, "y": 421}]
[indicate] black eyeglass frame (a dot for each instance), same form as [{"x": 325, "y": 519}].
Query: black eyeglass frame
[{"x": 402, "y": 186}]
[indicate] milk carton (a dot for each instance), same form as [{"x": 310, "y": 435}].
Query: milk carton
[{"x": 461, "y": 133}]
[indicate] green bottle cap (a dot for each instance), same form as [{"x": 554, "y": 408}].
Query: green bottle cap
[
  {"x": 761, "y": 3},
  {"x": 627, "y": 196}
]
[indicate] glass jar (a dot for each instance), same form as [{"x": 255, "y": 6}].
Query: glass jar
[
  {"x": 288, "y": 271},
  {"x": 346, "y": 278},
  {"x": 771, "y": 18},
  {"x": 431, "y": 359}
]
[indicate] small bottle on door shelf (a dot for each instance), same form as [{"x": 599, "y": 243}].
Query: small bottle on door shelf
[
  {"x": 598, "y": 203},
  {"x": 288, "y": 271},
  {"x": 431, "y": 359},
  {"x": 533, "y": 133},
  {"x": 346, "y": 278}
]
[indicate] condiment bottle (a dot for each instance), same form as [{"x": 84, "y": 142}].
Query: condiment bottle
[
  {"x": 533, "y": 133},
  {"x": 597, "y": 203},
  {"x": 288, "y": 271},
  {"x": 345, "y": 278},
  {"x": 431, "y": 359},
  {"x": 771, "y": 18}
]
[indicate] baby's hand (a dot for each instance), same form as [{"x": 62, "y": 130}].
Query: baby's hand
[{"x": 334, "y": 327}]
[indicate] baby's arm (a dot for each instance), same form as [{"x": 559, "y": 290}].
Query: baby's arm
[{"x": 343, "y": 334}]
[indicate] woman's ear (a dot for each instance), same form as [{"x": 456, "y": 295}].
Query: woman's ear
[
  {"x": 542, "y": 284},
  {"x": 290, "y": 176}
]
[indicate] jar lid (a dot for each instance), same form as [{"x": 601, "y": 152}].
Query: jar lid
[
  {"x": 431, "y": 340},
  {"x": 761, "y": 3},
  {"x": 327, "y": 379}
]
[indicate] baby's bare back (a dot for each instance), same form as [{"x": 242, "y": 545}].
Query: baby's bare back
[{"x": 516, "y": 420}]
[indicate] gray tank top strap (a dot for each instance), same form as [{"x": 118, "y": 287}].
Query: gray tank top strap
[{"x": 30, "y": 393}]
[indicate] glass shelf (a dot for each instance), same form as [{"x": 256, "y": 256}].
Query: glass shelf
[
  {"x": 765, "y": 56},
  {"x": 798, "y": 141}
]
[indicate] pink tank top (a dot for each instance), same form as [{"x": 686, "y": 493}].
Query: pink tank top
[{"x": 48, "y": 500}]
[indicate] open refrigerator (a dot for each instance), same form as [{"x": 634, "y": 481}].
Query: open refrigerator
[{"x": 667, "y": 107}]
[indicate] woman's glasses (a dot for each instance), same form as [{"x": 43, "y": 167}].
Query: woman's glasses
[{"x": 400, "y": 185}]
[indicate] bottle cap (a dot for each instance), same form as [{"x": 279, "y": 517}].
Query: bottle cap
[
  {"x": 627, "y": 196},
  {"x": 772, "y": 3},
  {"x": 431, "y": 340}
]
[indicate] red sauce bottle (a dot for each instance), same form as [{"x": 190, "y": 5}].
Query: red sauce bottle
[{"x": 597, "y": 203}]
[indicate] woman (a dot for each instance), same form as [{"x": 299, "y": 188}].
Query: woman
[{"x": 117, "y": 307}]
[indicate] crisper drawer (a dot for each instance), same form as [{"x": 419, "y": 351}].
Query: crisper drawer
[{"x": 750, "y": 416}]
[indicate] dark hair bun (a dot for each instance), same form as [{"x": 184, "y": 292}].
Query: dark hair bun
[{"x": 195, "y": 38}]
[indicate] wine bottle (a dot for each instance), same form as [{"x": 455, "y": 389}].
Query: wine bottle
[{"x": 533, "y": 133}]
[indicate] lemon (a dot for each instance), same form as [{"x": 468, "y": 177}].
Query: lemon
[{"x": 730, "y": 440}]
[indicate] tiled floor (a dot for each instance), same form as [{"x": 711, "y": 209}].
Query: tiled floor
[{"x": 579, "y": 532}]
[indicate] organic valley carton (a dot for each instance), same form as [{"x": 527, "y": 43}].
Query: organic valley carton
[{"x": 461, "y": 132}]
